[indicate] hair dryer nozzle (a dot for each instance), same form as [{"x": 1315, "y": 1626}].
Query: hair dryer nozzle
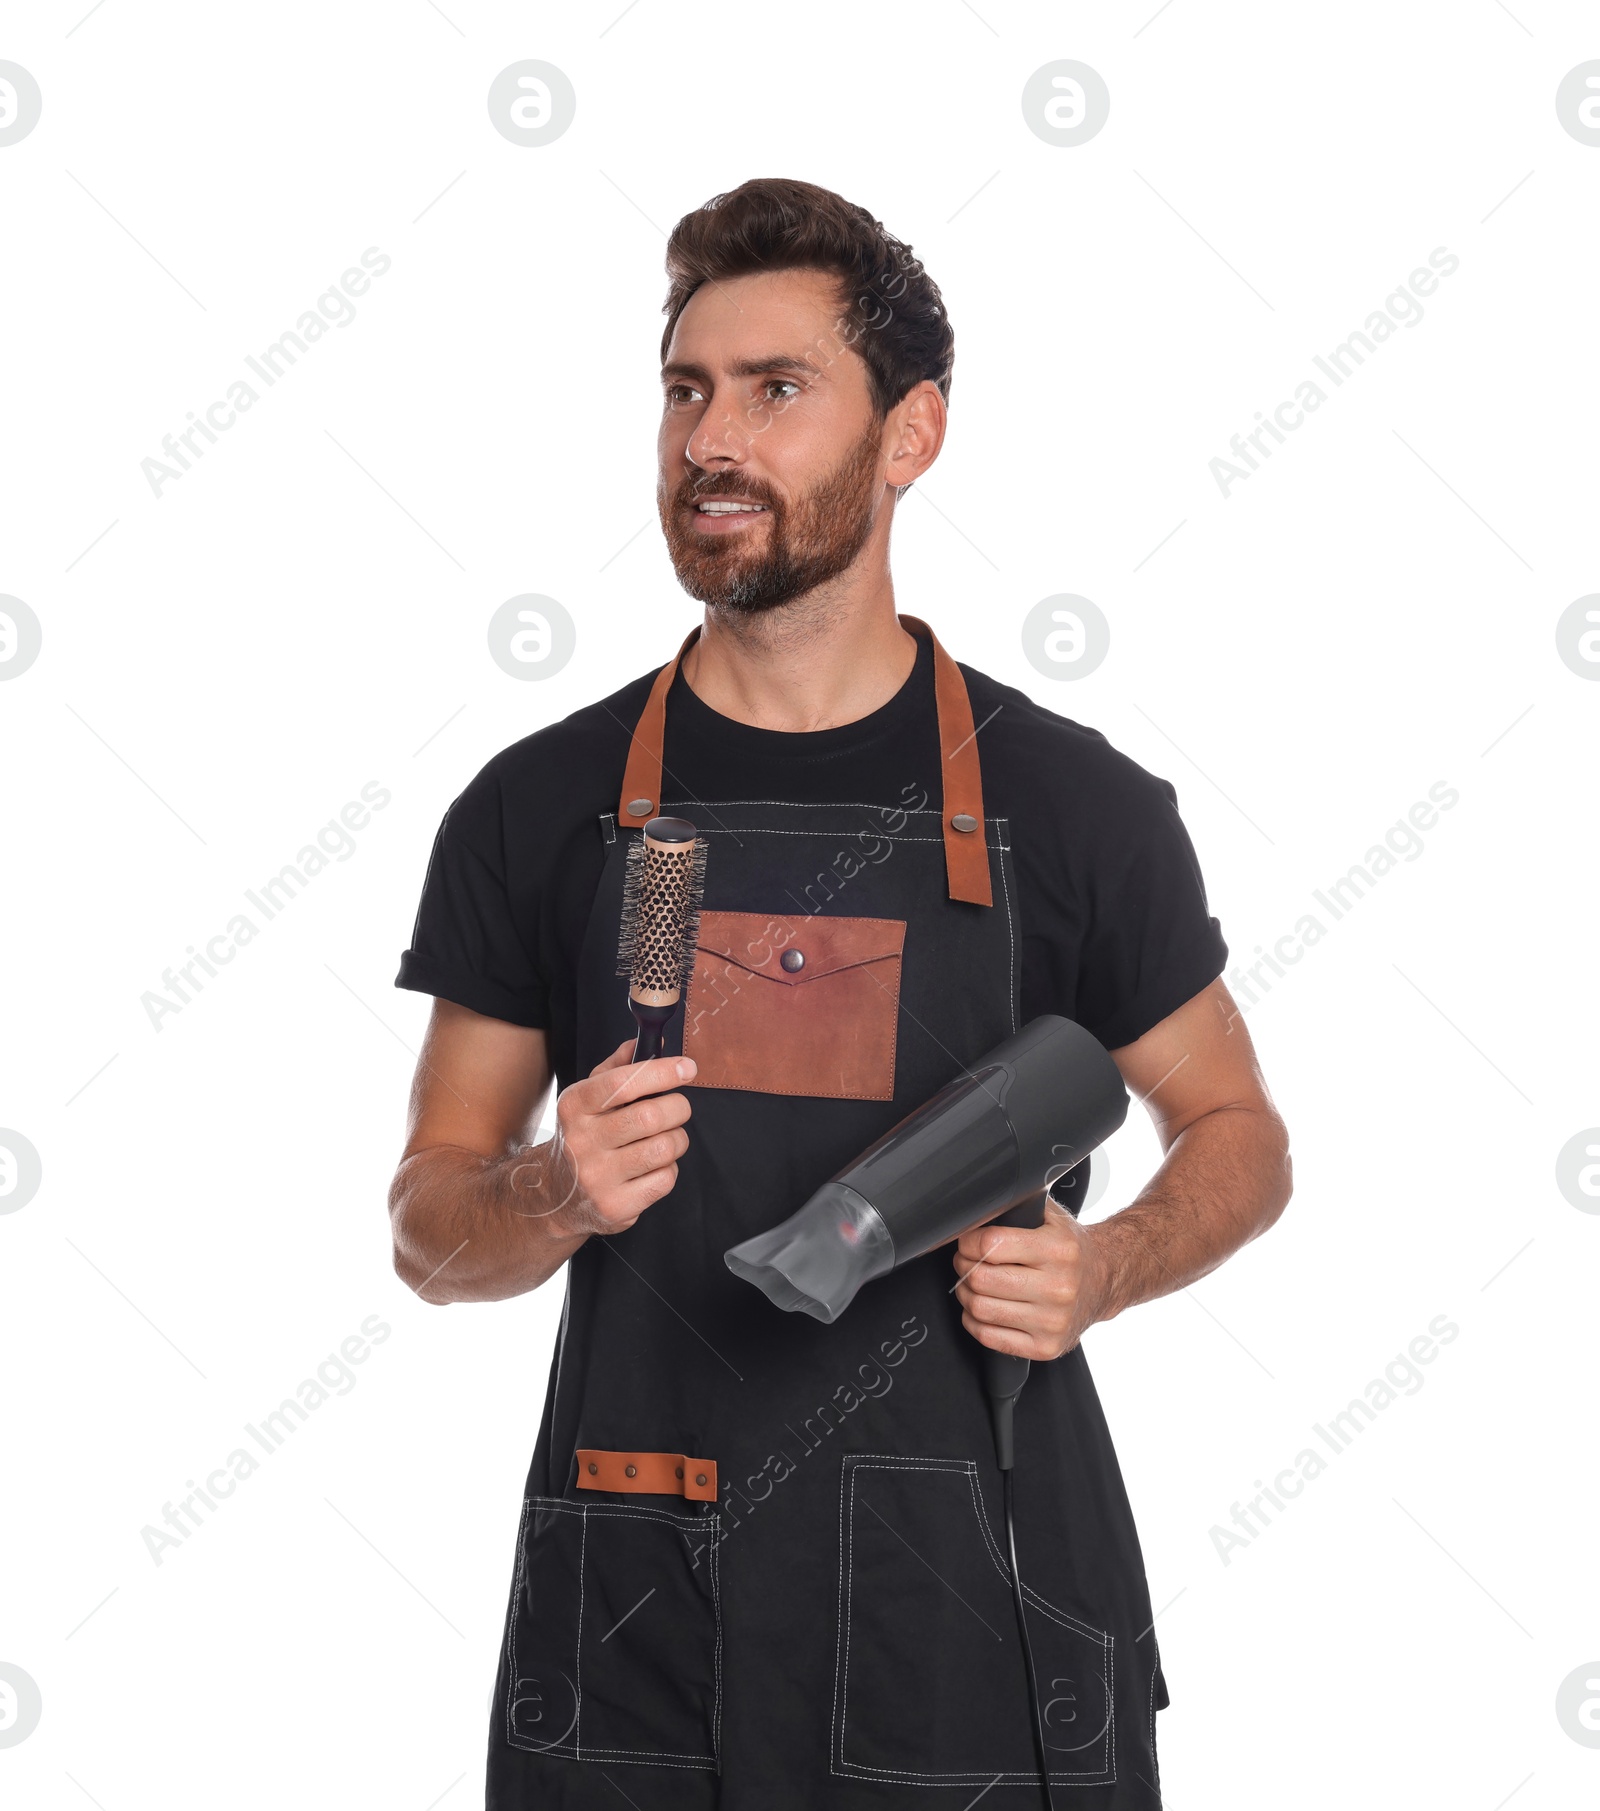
[
  {"x": 1031, "y": 1110},
  {"x": 819, "y": 1257}
]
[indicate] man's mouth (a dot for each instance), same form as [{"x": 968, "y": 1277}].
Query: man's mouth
[{"x": 725, "y": 513}]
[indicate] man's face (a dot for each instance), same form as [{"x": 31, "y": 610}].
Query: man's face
[{"x": 763, "y": 403}]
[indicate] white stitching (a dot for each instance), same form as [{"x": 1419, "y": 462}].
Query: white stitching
[
  {"x": 1105, "y": 1774},
  {"x": 514, "y": 1678},
  {"x": 575, "y": 1750},
  {"x": 643, "y": 1513},
  {"x": 1053, "y": 1611},
  {"x": 765, "y": 830},
  {"x": 630, "y": 1756},
  {"x": 849, "y": 1471},
  {"x": 618, "y": 1757},
  {"x": 716, "y": 1609},
  {"x": 819, "y": 805},
  {"x": 1011, "y": 927},
  {"x": 854, "y": 1769},
  {"x": 583, "y": 1568},
  {"x": 836, "y": 1744}
]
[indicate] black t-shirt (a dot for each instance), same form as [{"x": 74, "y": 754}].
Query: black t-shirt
[{"x": 1116, "y": 932}]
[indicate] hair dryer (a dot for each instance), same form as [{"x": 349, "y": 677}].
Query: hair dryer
[
  {"x": 1023, "y": 1115},
  {"x": 987, "y": 1145}
]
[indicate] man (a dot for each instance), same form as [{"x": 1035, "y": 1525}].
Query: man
[{"x": 757, "y": 1564}]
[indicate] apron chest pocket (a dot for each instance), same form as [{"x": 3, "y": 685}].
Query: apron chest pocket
[
  {"x": 801, "y": 1005},
  {"x": 614, "y": 1640},
  {"x": 930, "y": 1686}
]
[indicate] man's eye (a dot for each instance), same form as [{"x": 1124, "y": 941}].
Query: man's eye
[
  {"x": 783, "y": 382},
  {"x": 675, "y": 391}
]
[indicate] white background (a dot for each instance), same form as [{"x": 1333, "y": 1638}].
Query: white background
[{"x": 305, "y": 610}]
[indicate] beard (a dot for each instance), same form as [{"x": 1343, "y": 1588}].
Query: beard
[{"x": 804, "y": 544}]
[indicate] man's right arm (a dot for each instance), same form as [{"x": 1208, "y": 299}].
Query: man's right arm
[{"x": 477, "y": 1213}]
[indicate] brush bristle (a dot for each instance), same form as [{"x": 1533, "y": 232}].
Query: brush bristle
[
  {"x": 632, "y": 894},
  {"x": 691, "y": 917},
  {"x": 669, "y": 942}
]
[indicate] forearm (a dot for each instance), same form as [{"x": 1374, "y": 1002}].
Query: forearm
[
  {"x": 469, "y": 1228},
  {"x": 1224, "y": 1181}
]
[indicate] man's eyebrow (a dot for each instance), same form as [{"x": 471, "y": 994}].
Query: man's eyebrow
[{"x": 743, "y": 367}]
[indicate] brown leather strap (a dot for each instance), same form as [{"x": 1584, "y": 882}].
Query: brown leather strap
[
  {"x": 966, "y": 853},
  {"x": 641, "y": 779},
  {"x": 966, "y": 839},
  {"x": 657, "y": 1474}
]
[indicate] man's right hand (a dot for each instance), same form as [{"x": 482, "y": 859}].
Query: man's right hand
[
  {"x": 478, "y": 1215},
  {"x": 615, "y": 1152}
]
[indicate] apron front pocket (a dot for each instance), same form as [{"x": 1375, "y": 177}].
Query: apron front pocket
[
  {"x": 795, "y": 1005},
  {"x": 930, "y": 1686},
  {"x": 614, "y": 1640}
]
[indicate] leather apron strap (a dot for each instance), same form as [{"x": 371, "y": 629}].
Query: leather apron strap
[{"x": 966, "y": 854}]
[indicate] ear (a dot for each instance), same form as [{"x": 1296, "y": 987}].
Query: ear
[{"x": 914, "y": 432}]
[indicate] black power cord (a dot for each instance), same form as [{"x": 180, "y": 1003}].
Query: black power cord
[{"x": 1003, "y": 1378}]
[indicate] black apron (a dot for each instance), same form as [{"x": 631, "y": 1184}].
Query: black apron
[{"x": 836, "y": 1626}]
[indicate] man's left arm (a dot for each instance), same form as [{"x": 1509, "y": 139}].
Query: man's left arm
[{"x": 1225, "y": 1178}]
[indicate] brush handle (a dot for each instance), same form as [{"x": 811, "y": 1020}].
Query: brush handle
[{"x": 652, "y": 1022}]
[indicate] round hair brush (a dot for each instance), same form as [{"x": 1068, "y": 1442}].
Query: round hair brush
[{"x": 663, "y": 883}]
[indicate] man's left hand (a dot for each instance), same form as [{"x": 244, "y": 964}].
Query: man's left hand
[{"x": 1031, "y": 1291}]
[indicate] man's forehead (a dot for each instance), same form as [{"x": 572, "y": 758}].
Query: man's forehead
[{"x": 764, "y": 322}]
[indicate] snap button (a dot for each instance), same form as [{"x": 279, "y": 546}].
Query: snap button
[
  {"x": 677, "y": 1471},
  {"x": 792, "y": 960},
  {"x": 700, "y": 1477},
  {"x": 639, "y": 807},
  {"x": 963, "y": 821},
  {"x": 593, "y": 1468},
  {"x": 631, "y": 1470}
]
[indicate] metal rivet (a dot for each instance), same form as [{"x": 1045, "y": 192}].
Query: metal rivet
[
  {"x": 678, "y": 1472},
  {"x": 639, "y": 807},
  {"x": 700, "y": 1477},
  {"x": 962, "y": 821},
  {"x": 593, "y": 1468},
  {"x": 793, "y": 960},
  {"x": 632, "y": 1470}
]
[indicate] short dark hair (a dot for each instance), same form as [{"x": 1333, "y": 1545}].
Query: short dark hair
[{"x": 892, "y": 307}]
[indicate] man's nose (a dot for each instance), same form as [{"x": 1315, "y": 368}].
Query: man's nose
[{"x": 719, "y": 438}]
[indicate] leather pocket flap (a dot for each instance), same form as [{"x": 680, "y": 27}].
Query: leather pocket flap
[{"x": 798, "y": 949}]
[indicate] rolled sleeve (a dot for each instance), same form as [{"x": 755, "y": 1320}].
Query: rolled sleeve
[
  {"x": 1152, "y": 943},
  {"x": 472, "y": 944}
]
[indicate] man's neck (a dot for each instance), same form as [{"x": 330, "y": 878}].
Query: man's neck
[{"x": 796, "y": 668}]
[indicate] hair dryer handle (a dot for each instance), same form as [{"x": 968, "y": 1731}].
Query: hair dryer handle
[{"x": 1004, "y": 1374}]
